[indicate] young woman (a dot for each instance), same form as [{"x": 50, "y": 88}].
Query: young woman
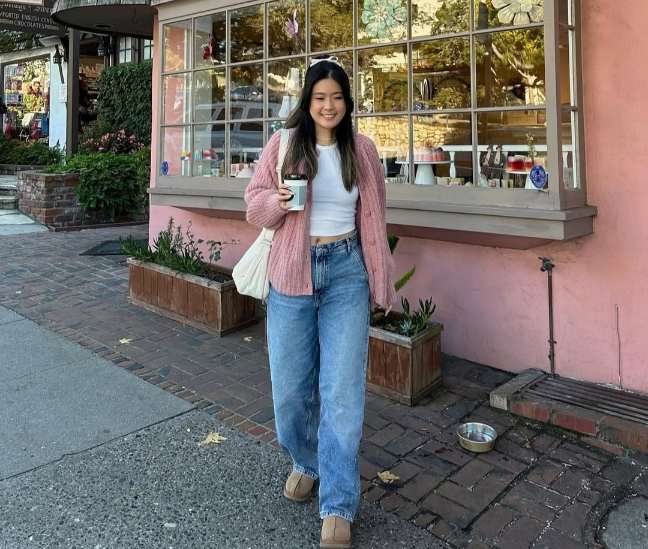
[{"x": 328, "y": 263}]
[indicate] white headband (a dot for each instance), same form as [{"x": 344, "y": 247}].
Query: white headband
[{"x": 331, "y": 58}]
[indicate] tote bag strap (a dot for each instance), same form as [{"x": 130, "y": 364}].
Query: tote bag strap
[{"x": 283, "y": 148}]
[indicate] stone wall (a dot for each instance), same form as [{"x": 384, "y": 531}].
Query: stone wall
[{"x": 49, "y": 198}]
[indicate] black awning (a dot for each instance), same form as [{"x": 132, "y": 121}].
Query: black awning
[{"x": 123, "y": 17}]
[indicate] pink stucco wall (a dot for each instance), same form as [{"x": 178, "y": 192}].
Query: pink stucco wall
[{"x": 493, "y": 301}]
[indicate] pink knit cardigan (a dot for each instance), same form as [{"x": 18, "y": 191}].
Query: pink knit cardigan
[{"x": 290, "y": 260}]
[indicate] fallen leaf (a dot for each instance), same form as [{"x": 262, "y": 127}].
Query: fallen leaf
[
  {"x": 125, "y": 340},
  {"x": 212, "y": 438},
  {"x": 388, "y": 477}
]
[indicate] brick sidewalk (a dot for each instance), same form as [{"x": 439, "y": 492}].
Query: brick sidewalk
[{"x": 540, "y": 487}]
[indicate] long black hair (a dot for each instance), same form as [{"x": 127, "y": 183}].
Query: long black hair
[{"x": 302, "y": 151}]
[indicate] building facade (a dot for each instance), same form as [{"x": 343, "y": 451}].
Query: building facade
[{"x": 503, "y": 138}]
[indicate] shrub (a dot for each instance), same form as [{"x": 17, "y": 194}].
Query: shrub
[
  {"x": 124, "y": 100},
  {"x": 13, "y": 151},
  {"x": 117, "y": 142},
  {"x": 112, "y": 183},
  {"x": 178, "y": 251}
]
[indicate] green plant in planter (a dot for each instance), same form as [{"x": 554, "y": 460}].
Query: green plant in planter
[
  {"x": 178, "y": 251},
  {"x": 408, "y": 323}
]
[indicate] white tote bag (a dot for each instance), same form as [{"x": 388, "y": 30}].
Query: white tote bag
[{"x": 250, "y": 274}]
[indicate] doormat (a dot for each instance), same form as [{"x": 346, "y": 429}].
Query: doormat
[{"x": 112, "y": 247}]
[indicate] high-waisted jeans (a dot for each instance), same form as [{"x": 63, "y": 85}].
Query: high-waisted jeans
[{"x": 318, "y": 348}]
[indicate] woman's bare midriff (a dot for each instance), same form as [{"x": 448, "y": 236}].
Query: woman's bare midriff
[{"x": 326, "y": 239}]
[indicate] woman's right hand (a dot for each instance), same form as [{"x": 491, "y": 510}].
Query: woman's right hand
[{"x": 284, "y": 195}]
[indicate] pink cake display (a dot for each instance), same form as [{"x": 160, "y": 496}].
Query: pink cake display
[
  {"x": 424, "y": 154},
  {"x": 438, "y": 155},
  {"x": 430, "y": 154}
]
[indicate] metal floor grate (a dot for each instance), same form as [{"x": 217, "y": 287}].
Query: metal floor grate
[{"x": 610, "y": 401}]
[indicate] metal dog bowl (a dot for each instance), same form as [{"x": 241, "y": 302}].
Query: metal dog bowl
[{"x": 476, "y": 437}]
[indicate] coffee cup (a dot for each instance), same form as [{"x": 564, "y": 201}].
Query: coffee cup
[{"x": 297, "y": 184}]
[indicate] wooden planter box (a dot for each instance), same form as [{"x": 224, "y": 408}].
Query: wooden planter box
[
  {"x": 215, "y": 307},
  {"x": 404, "y": 368}
]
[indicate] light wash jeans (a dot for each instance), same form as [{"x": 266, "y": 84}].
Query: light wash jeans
[{"x": 318, "y": 348}]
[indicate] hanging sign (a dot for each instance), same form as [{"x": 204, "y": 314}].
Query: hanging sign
[{"x": 29, "y": 17}]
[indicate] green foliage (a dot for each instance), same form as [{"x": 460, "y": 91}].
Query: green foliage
[
  {"x": 178, "y": 251},
  {"x": 13, "y": 151},
  {"x": 15, "y": 40},
  {"x": 404, "y": 279},
  {"x": 124, "y": 100},
  {"x": 112, "y": 183},
  {"x": 414, "y": 322}
]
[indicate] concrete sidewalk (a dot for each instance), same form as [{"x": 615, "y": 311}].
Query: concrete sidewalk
[{"x": 93, "y": 456}]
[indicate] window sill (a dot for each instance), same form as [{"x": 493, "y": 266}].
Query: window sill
[{"x": 503, "y": 226}]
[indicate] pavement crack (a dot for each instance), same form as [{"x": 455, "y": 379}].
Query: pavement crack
[{"x": 90, "y": 448}]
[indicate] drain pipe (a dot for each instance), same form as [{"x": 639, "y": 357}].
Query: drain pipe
[{"x": 547, "y": 266}]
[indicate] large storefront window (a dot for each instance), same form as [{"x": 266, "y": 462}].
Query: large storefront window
[
  {"x": 468, "y": 94},
  {"x": 26, "y": 95}
]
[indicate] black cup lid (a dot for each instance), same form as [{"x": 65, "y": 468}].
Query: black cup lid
[{"x": 294, "y": 176}]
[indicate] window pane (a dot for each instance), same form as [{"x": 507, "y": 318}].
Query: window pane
[
  {"x": 176, "y": 46},
  {"x": 246, "y": 31},
  {"x": 443, "y": 149},
  {"x": 176, "y": 151},
  {"x": 566, "y": 53},
  {"x": 382, "y": 79},
  {"x": 209, "y": 95},
  {"x": 286, "y": 28},
  {"x": 566, "y": 12},
  {"x": 285, "y": 80},
  {"x": 246, "y": 91},
  {"x": 246, "y": 142},
  {"x": 441, "y": 74},
  {"x": 381, "y": 21},
  {"x": 391, "y": 136},
  {"x": 331, "y": 24},
  {"x": 209, "y": 40},
  {"x": 176, "y": 95},
  {"x": 209, "y": 150},
  {"x": 510, "y": 144},
  {"x": 432, "y": 17},
  {"x": 510, "y": 68},
  {"x": 496, "y": 13},
  {"x": 570, "y": 164}
]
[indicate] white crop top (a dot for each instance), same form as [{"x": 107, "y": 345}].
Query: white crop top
[{"x": 333, "y": 208}]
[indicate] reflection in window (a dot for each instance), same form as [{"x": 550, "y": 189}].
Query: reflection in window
[
  {"x": 209, "y": 95},
  {"x": 510, "y": 68},
  {"x": 510, "y": 144},
  {"x": 443, "y": 149},
  {"x": 570, "y": 162},
  {"x": 176, "y": 95},
  {"x": 285, "y": 80},
  {"x": 433, "y": 17},
  {"x": 246, "y": 34},
  {"x": 331, "y": 24},
  {"x": 286, "y": 28},
  {"x": 246, "y": 143},
  {"x": 209, "y": 150},
  {"x": 176, "y": 46},
  {"x": 176, "y": 151},
  {"x": 441, "y": 74},
  {"x": 381, "y": 21},
  {"x": 210, "y": 40},
  {"x": 496, "y": 13},
  {"x": 246, "y": 91},
  {"x": 382, "y": 79},
  {"x": 391, "y": 136}
]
